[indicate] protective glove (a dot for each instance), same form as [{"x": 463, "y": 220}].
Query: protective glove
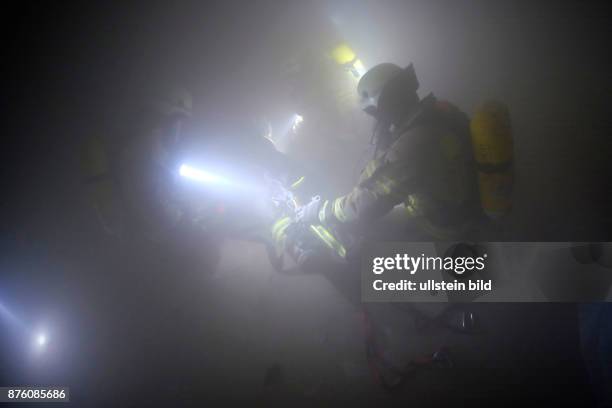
[{"x": 309, "y": 213}]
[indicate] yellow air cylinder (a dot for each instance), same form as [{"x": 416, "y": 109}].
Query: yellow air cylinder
[{"x": 493, "y": 150}]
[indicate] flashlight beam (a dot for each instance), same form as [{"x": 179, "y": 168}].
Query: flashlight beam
[{"x": 199, "y": 175}]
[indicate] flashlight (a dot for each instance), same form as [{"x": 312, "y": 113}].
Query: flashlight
[{"x": 200, "y": 175}]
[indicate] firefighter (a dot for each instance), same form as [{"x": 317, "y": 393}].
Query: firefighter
[
  {"x": 124, "y": 174},
  {"x": 328, "y": 133},
  {"x": 423, "y": 160}
]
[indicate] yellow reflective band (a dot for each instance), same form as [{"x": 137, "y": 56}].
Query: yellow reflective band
[
  {"x": 329, "y": 240},
  {"x": 278, "y": 234},
  {"x": 280, "y": 226},
  {"x": 323, "y": 210},
  {"x": 339, "y": 212},
  {"x": 385, "y": 186},
  {"x": 370, "y": 168},
  {"x": 297, "y": 183}
]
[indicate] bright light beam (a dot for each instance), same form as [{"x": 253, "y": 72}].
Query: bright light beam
[
  {"x": 200, "y": 175},
  {"x": 7, "y": 314},
  {"x": 38, "y": 337}
]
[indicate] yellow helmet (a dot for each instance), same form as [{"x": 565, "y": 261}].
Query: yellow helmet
[
  {"x": 324, "y": 82},
  {"x": 344, "y": 56}
]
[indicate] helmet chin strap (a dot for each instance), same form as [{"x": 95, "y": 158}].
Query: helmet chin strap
[
  {"x": 382, "y": 135},
  {"x": 381, "y": 131}
]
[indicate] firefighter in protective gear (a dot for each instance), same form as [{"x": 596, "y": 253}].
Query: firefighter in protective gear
[
  {"x": 423, "y": 160},
  {"x": 123, "y": 175},
  {"x": 327, "y": 124},
  {"x": 324, "y": 137}
]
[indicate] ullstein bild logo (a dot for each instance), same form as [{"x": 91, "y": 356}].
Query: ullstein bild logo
[
  {"x": 486, "y": 272},
  {"x": 412, "y": 264},
  {"x": 457, "y": 268}
]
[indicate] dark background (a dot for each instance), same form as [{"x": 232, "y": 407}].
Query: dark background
[{"x": 131, "y": 319}]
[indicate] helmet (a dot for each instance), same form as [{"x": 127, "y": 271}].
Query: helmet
[
  {"x": 344, "y": 56},
  {"x": 372, "y": 83},
  {"x": 324, "y": 82},
  {"x": 386, "y": 86}
]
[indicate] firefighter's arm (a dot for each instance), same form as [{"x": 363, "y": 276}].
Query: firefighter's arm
[{"x": 383, "y": 184}]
